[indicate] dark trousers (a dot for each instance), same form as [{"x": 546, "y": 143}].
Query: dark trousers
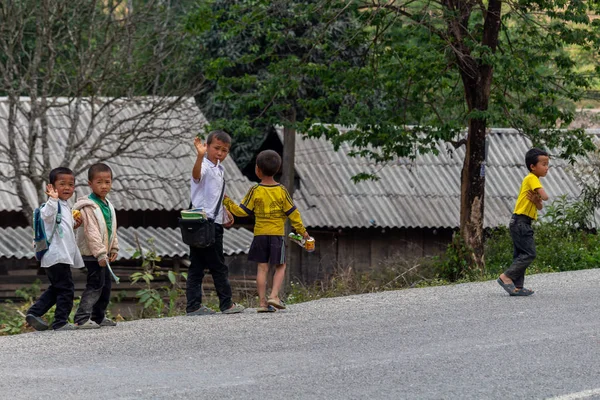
[
  {"x": 60, "y": 292},
  {"x": 521, "y": 233},
  {"x": 96, "y": 296},
  {"x": 213, "y": 259}
]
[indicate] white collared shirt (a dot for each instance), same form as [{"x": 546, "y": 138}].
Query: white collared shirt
[
  {"x": 205, "y": 192},
  {"x": 63, "y": 248}
]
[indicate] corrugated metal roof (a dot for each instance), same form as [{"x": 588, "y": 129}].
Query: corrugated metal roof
[
  {"x": 153, "y": 174},
  {"x": 16, "y": 242},
  {"x": 424, "y": 192}
]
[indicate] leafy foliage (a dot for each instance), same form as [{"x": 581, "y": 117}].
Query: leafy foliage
[
  {"x": 274, "y": 63},
  {"x": 152, "y": 299}
]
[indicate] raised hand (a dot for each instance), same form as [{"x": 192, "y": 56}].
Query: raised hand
[
  {"x": 51, "y": 191},
  {"x": 200, "y": 147}
]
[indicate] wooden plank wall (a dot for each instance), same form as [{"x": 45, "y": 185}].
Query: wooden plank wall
[
  {"x": 16, "y": 274},
  {"x": 362, "y": 249}
]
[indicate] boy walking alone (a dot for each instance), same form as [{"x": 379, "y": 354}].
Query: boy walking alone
[
  {"x": 207, "y": 189},
  {"x": 271, "y": 205},
  {"x": 98, "y": 243},
  {"x": 62, "y": 254},
  {"x": 530, "y": 200}
]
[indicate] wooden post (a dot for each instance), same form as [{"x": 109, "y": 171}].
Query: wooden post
[{"x": 287, "y": 179}]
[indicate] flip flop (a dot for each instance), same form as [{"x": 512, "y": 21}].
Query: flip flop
[
  {"x": 266, "y": 309},
  {"x": 509, "y": 287},
  {"x": 522, "y": 292},
  {"x": 276, "y": 303}
]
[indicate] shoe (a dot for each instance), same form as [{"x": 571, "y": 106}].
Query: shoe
[
  {"x": 266, "y": 309},
  {"x": 107, "y": 322},
  {"x": 36, "y": 322},
  {"x": 89, "y": 324},
  {"x": 66, "y": 327},
  {"x": 276, "y": 303},
  {"x": 234, "y": 309},
  {"x": 522, "y": 292},
  {"x": 509, "y": 287},
  {"x": 203, "y": 310}
]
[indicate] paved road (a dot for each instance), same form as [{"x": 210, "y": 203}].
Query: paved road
[{"x": 469, "y": 341}]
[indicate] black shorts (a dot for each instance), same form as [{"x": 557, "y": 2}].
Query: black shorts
[{"x": 267, "y": 249}]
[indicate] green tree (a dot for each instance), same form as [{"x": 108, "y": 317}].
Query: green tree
[
  {"x": 438, "y": 66},
  {"x": 271, "y": 63},
  {"x": 403, "y": 76}
]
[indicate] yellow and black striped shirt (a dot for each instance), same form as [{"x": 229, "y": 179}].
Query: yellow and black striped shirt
[{"x": 271, "y": 205}]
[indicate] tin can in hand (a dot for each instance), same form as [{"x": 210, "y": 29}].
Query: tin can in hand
[{"x": 309, "y": 245}]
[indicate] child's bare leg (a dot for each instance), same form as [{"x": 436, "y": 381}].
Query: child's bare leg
[
  {"x": 278, "y": 278},
  {"x": 505, "y": 279},
  {"x": 261, "y": 283}
]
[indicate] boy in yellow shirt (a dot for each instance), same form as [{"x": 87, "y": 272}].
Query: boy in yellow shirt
[
  {"x": 528, "y": 203},
  {"x": 271, "y": 205}
]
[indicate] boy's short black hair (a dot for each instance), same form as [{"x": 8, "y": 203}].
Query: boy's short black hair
[
  {"x": 268, "y": 161},
  {"x": 219, "y": 135},
  {"x": 531, "y": 157},
  {"x": 59, "y": 171},
  {"x": 97, "y": 168}
]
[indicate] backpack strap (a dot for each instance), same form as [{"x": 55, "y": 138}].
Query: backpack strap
[
  {"x": 220, "y": 200},
  {"x": 57, "y": 222}
]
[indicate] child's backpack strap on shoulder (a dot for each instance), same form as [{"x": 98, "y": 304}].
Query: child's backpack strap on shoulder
[{"x": 41, "y": 242}]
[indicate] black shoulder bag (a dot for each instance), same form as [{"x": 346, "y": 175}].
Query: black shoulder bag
[{"x": 200, "y": 232}]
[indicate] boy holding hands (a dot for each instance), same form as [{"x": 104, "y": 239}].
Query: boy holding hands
[
  {"x": 528, "y": 203},
  {"x": 207, "y": 188},
  {"x": 271, "y": 205}
]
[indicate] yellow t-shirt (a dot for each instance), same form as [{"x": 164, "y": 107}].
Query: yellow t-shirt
[
  {"x": 524, "y": 206},
  {"x": 271, "y": 205}
]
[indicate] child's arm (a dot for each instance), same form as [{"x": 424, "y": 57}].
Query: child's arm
[
  {"x": 297, "y": 224},
  {"x": 542, "y": 193},
  {"x": 93, "y": 235},
  {"x": 236, "y": 210},
  {"x": 293, "y": 214},
  {"x": 246, "y": 207},
  {"x": 536, "y": 199},
  {"x": 201, "y": 151},
  {"x": 114, "y": 250},
  {"x": 48, "y": 212}
]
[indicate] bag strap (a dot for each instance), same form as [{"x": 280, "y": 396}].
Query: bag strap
[
  {"x": 57, "y": 221},
  {"x": 220, "y": 200}
]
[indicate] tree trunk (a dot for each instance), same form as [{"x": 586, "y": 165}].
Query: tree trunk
[
  {"x": 289, "y": 154},
  {"x": 477, "y": 76},
  {"x": 473, "y": 193}
]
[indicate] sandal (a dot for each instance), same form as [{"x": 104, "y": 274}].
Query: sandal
[
  {"x": 522, "y": 292},
  {"x": 509, "y": 287},
  {"x": 268, "y": 308},
  {"x": 276, "y": 303}
]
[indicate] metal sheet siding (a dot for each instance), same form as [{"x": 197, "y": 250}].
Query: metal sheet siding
[
  {"x": 424, "y": 192},
  {"x": 16, "y": 242},
  {"x": 151, "y": 175}
]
